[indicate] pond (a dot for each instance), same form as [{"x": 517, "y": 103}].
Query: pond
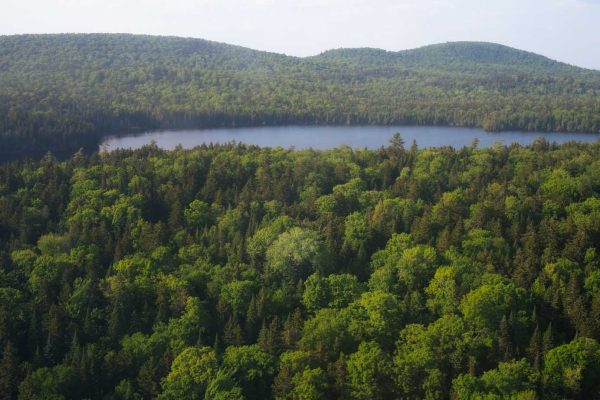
[{"x": 327, "y": 137}]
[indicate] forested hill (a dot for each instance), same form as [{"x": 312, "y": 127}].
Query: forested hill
[
  {"x": 466, "y": 55},
  {"x": 63, "y": 91}
]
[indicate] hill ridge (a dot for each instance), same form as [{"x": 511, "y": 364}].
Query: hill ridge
[
  {"x": 402, "y": 54},
  {"x": 448, "y": 51}
]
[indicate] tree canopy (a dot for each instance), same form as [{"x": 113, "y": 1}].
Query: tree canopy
[{"x": 236, "y": 272}]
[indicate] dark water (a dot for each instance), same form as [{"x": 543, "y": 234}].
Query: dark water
[{"x": 327, "y": 137}]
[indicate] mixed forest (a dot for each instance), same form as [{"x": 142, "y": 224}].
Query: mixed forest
[
  {"x": 235, "y": 272},
  {"x": 63, "y": 92}
]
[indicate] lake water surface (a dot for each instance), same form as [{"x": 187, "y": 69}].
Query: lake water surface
[{"x": 327, "y": 137}]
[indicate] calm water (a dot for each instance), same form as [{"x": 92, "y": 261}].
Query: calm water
[{"x": 327, "y": 137}]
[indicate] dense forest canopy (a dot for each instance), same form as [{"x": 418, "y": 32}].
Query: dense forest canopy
[
  {"x": 62, "y": 92},
  {"x": 237, "y": 272}
]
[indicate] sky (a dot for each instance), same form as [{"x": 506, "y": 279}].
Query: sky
[{"x": 564, "y": 30}]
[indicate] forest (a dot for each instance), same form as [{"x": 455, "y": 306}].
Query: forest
[
  {"x": 236, "y": 272},
  {"x": 63, "y": 92}
]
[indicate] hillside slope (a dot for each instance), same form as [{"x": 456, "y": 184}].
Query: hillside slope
[
  {"x": 64, "y": 91},
  {"x": 454, "y": 55}
]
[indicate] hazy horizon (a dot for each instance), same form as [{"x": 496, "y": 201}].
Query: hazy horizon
[{"x": 563, "y": 30}]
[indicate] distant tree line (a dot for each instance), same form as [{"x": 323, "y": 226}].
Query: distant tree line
[{"x": 62, "y": 92}]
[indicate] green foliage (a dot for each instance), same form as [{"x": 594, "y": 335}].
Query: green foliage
[
  {"x": 573, "y": 370},
  {"x": 295, "y": 254},
  {"x": 309, "y": 384},
  {"x": 190, "y": 327},
  {"x": 236, "y": 272},
  {"x": 511, "y": 380},
  {"x": 369, "y": 373},
  {"x": 334, "y": 291},
  {"x": 485, "y": 306},
  {"x": 316, "y": 293},
  {"x": 260, "y": 242},
  {"x": 252, "y": 367},
  {"x": 425, "y": 355},
  {"x": 223, "y": 387},
  {"x": 197, "y": 215},
  {"x": 375, "y": 316},
  {"x": 190, "y": 374},
  {"x": 402, "y": 266},
  {"x": 53, "y": 244},
  {"x": 56, "y": 383}
]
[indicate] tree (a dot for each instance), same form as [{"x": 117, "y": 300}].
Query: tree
[
  {"x": 237, "y": 295},
  {"x": 369, "y": 373},
  {"x": 197, "y": 215},
  {"x": 190, "y": 327},
  {"x": 515, "y": 380},
  {"x": 572, "y": 370},
  {"x": 376, "y": 316},
  {"x": 56, "y": 383},
  {"x": 290, "y": 364},
  {"x": 356, "y": 231},
  {"x": 223, "y": 387},
  {"x": 253, "y": 368},
  {"x": 396, "y": 142},
  {"x": 309, "y": 384},
  {"x": 317, "y": 293},
  {"x": 485, "y": 306},
  {"x": 432, "y": 354},
  {"x": 413, "y": 265},
  {"x": 334, "y": 291},
  {"x": 10, "y": 372},
  {"x": 443, "y": 292},
  {"x": 327, "y": 334},
  {"x": 295, "y": 255},
  {"x": 262, "y": 239},
  {"x": 344, "y": 289},
  {"x": 53, "y": 244},
  {"x": 190, "y": 374},
  {"x": 559, "y": 187}
]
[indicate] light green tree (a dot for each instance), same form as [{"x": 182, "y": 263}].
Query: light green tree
[
  {"x": 295, "y": 255},
  {"x": 369, "y": 373},
  {"x": 190, "y": 374}
]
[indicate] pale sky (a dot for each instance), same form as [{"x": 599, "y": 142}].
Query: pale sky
[{"x": 565, "y": 30}]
